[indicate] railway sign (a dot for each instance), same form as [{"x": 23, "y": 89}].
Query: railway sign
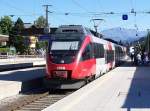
[{"x": 124, "y": 17}]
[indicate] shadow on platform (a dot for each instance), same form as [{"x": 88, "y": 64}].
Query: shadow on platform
[
  {"x": 27, "y": 78},
  {"x": 138, "y": 95}
]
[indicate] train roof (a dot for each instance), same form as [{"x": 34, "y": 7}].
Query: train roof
[
  {"x": 71, "y": 29},
  {"x": 80, "y": 29},
  {"x": 77, "y": 29}
]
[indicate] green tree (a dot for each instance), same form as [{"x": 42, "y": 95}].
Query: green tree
[
  {"x": 147, "y": 42},
  {"x": 19, "y": 44},
  {"x": 19, "y": 25},
  {"x": 0, "y": 30},
  {"x": 6, "y": 25},
  {"x": 40, "y": 22},
  {"x": 15, "y": 39},
  {"x": 41, "y": 45}
]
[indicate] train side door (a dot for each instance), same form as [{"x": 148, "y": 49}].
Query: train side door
[
  {"x": 99, "y": 56},
  {"x": 88, "y": 62}
]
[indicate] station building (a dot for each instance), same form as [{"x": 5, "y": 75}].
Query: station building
[
  {"x": 3, "y": 40},
  {"x": 32, "y": 35}
]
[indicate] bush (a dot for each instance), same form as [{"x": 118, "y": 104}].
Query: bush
[{"x": 4, "y": 50}]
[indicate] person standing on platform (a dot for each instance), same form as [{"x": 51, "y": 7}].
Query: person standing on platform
[
  {"x": 135, "y": 59},
  {"x": 132, "y": 57}
]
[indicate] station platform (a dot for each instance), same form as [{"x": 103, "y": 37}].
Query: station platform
[
  {"x": 16, "y": 63},
  {"x": 20, "y": 81},
  {"x": 125, "y": 88}
]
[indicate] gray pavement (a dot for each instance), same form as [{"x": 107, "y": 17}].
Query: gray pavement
[{"x": 123, "y": 89}]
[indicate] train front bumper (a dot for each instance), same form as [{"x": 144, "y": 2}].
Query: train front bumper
[{"x": 63, "y": 83}]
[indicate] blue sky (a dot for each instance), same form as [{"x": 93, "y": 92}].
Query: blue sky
[{"x": 29, "y": 10}]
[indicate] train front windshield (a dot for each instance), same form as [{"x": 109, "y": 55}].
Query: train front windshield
[{"x": 64, "y": 51}]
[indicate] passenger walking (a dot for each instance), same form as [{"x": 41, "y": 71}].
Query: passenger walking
[
  {"x": 132, "y": 56},
  {"x": 135, "y": 59},
  {"x": 138, "y": 59},
  {"x": 146, "y": 59}
]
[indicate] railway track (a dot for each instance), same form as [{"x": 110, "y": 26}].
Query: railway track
[{"x": 36, "y": 101}]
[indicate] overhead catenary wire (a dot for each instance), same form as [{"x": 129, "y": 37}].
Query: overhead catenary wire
[
  {"x": 100, "y": 5},
  {"x": 24, "y": 13},
  {"x": 80, "y": 14},
  {"x": 99, "y": 13},
  {"x": 12, "y": 6},
  {"x": 59, "y": 13},
  {"x": 62, "y": 20},
  {"x": 80, "y": 6}
]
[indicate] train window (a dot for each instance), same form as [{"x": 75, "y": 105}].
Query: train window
[
  {"x": 70, "y": 30},
  {"x": 87, "y": 53},
  {"x": 95, "y": 50},
  {"x": 116, "y": 51},
  {"x": 101, "y": 48},
  {"x": 98, "y": 50},
  {"x": 110, "y": 56},
  {"x": 65, "y": 45}
]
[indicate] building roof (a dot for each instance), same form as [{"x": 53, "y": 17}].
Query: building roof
[
  {"x": 35, "y": 31},
  {"x": 4, "y": 38},
  {"x": 28, "y": 25}
]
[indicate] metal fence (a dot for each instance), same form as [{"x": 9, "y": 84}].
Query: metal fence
[
  {"x": 12, "y": 59},
  {"x": 21, "y": 56}
]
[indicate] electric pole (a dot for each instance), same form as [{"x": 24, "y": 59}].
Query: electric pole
[
  {"x": 46, "y": 9},
  {"x": 47, "y": 28}
]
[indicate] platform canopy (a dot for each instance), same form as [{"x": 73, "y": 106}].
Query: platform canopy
[{"x": 4, "y": 38}]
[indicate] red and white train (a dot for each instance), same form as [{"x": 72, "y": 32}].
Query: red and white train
[{"x": 76, "y": 55}]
